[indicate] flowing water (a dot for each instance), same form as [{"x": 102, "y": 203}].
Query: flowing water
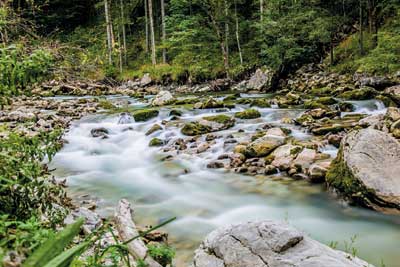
[{"x": 124, "y": 166}]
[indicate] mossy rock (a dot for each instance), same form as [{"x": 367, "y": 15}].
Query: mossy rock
[
  {"x": 321, "y": 91},
  {"x": 244, "y": 101},
  {"x": 186, "y": 101},
  {"x": 261, "y": 102},
  {"x": 175, "y": 112},
  {"x": 335, "y": 128},
  {"x": 304, "y": 119},
  {"x": 105, "y": 104},
  {"x": 363, "y": 93},
  {"x": 230, "y": 98},
  {"x": 327, "y": 100},
  {"x": 314, "y": 104},
  {"x": 222, "y": 119},
  {"x": 156, "y": 142},
  {"x": 145, "y": 114},
  {"x": 346, "y": 107},
  {"x": 195, "y": 128},
  {"x": 248, "y": 114}
]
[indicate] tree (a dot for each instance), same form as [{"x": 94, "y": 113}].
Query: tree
[
  {"x": 109, "y": 31},
  {"x": 361, "y": 30},
  {"x": 152, "y": 37},
  {"x": 237, "y": 34},
  {"x": 123, "y": 22},
  {"x": 164, "y": 35}
]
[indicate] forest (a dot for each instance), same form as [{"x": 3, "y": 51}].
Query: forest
[{"x": 201, "y": 133}]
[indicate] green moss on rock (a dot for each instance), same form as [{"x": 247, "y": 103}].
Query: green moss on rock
[
  {"x": 248, "y": 114},
  {"x": 145, "y": 114},
  {"x": 156, "y": 142},
  {"x": 195, "y": 128},
  {"x": 359, "y": 94}
]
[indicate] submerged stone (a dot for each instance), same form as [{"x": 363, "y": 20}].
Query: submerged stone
[
  {"x": 248, "y": 114},
  {"x": 145, "y": 114}
]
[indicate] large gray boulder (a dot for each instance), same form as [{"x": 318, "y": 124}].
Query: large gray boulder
[
  {"x": 163, "y": 98},
  {"x": 394, "y": 93},
  {"x": 261, "y": 79},
  {"x": 367, "y": 170},
  {"x": 268, "y": 244}
]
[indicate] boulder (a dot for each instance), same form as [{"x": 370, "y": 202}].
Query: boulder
[
  {"x": 261, "y": 79},
  {"x": 163, "y": 98},
  {"x": 154, "y": 129},
  {"x": 145, "y": 114},
  {"x": 367, "y": 170},
  {"x": 156, "y": 142},
  {"x": 363, "y": 93},
  {"x": 268, "y": 244},
  {"x": 146, "y": 80},
  {"x": 124, "y": 118},
  {"x": 263, "y": 146},
  {"x": 394, "y": 93},
  {"x": 377, "y": 82},
  {"x": 99, "y": 132},
  {"x": 248, "y": 114},
  {"x": 195, "y": 128}
]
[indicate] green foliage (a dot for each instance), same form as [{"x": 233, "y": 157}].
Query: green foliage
[
  {"x": 25, "y": 190},
  {"x": 22, "y": 236},
  {"x": 50, "y": 253},
  {"x": 19, "y": 68},
  {"x": 163, "y": 254}
]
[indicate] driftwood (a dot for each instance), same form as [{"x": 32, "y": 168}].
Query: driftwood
[{"x": 127, "y": 230}]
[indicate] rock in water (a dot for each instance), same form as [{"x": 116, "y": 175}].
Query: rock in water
[
  {"x": 146, "y": 80},
  {"x": 124, "y": 118},
  {"x": 163, "y": 98},
  {"x": 268, "y": 244},
  {"x": 367, "y": 170}
]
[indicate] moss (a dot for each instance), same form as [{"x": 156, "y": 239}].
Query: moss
[
  {"x": 346, "y": 107},
  {"x": 195, "y": 128},
  {"x": 304, "y": 119},
  {"x": 313, "y": 104},
  {"x": 145, "y": 114},
  {"x": 230, "y": 98},
  {"x": 335, "y": 128},
  {"x": 223, "y": 119},
  {"x": 320, "y": 91},
  {"x": 359, "y": 94},
  {"x": 327, "y": 100},
  {"x": 296, "y": 150},
  {"x": 244, "y": 101},
  {"x": 261, "y": 102},
  {"x": 340, "y": 177},
  {"x": 186, "y": 101},
  {"x": 156, "y": 142},
  {"x": 257, "y": 135},
  {"x": 105, "y": 104},
  {"x": 248, "y": 114}
]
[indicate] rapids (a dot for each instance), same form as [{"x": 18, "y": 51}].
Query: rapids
[{"x": 124, "y": 166}]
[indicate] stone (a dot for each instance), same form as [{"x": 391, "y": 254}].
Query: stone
[
  {"x": 163, "y": 98},
  {"x": 154, "y": 129},
  {"x": 317, "y": 173},
  {"x": 346, "y": 107},
  {"x": 146, "y": 80},
  {"x": 124, "y": 118},
  {"x": 304, "y": 160},
  {"x": 203, "y": 147},
  {"x": 215, "y": 165},
  {"x": 366, "y": 170},
  {"x": 145, "y": 114},
  {"x": 156, "y": 142},
  {"x": 263, "y": 146},
  {"x": 392, "y": 114},
  {"x": 248, "y": 114},
  {"x": 175, "y": 112},
  {"x": 393, "y": 93},
  {"x": 363, "y": 93},
  {"x": 261, "y": 79},
  {"x": 195, "y": 128},
  {"x": 376, "y": 82},
  {"x": 99, "y": 132},
  {"x": 268, "y": 244},
  {"x": 284, "y": 155}
]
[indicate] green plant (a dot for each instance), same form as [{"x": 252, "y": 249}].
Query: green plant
[{"x": 163, "y": 254}]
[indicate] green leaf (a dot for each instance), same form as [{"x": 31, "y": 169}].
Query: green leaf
[{"x": 53, "y": 247}]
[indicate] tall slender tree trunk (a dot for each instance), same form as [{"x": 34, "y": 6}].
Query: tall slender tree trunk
[
  {"x": 372, "y": 21},
  {"x": 146, "y": 11},
  {"x": 123, "y": 31},
  {"x": 361, "y": 28},
  {"x": 120, "y": 52},
  {"x": 152, "y": 37},
  {"x": 164, "y": 35},
  {"x": 222, "y": 45},
  {"x": 226, "y": 29},
  {"x": 109, "y": 31},
  {"x": 261, "y": 10},
  {"x": 237, "y": 35}
]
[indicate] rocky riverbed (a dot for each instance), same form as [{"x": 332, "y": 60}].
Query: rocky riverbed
[{"x": 218, "y": 158}]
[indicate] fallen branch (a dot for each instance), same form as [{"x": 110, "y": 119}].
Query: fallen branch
[{"x": 127, "y": 231}]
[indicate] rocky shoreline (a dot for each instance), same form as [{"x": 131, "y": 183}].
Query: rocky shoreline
[{"x": 365, "y": 171}]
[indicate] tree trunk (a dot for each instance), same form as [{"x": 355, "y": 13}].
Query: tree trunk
[
  {"x": 222, "y": 45},
  {"x": 120, "y": 51},
  {"x": 372, "y": 21},
  {"x": 147, "y": 24},
  {"x": 152, "y": 37},
  {"x": 361, "y": 29},
  {"x": 237, "y": 35},
  {"x": 226, "y": 30},
  {"x": 123, "y": 31},
  {"x": 164, "y": 35},
  {"x": 109, "y": 31},
  {"x": 261, "y": 10}
]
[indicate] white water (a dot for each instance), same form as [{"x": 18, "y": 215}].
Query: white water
[{"x": 123, "y": 166}]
